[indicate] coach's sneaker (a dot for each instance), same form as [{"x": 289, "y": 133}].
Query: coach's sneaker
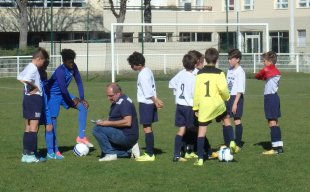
[
  {"x": 23, "y": 160},
  {"x": 179, "y": 159},
  {"x": 135, "y": 151},
  {"x": 190, "y": 155},
  {"x": 199, "y": 162},
  {"x": 31, "y": 159},
  {"x": 146, "y": 157},
  {"x": 109, "y": 157},
  {"x": 232, "y": 146},
  {"x": 84, "y": 141}
]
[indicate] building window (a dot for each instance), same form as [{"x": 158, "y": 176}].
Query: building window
[
  {"x": 7, "y": 3},
  {"x": 281, "y": 4},
  {"x": 279, "y": 42},
  {"x": 301, "y": 38},
  {"x": 195, "y": 37},
  {"x": 304, "y": 4},
  {"x": 57, "y": 3},
  {"x": 231, "y": 5},
  {"x": 158, "y": 37},
  {"x": 248, "y": 5},
  {"x": 127, "y": 37}
]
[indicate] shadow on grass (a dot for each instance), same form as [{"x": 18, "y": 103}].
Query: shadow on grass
[
  {"x": 62, "y": 149},
  {"x": 156, "y": 151},
  {"x": 264, "y": 144}
]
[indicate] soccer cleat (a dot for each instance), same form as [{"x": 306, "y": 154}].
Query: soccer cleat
[
  {"x": 146, "y": 157},
  {"x": 179, "y": 159},
  {"x": 190, "y": 155},
  {"x": 214, "y": 155},
  {"x": 238, "y": 149},
  {"x": 84, "y": 141},
  {"x": 57, "y": 156},
  {"x": 273, "y": 152},
  {"x": 109, "y": 157},
  {"x": 232, "y": 146},
  {"x": 135, "y": 151},
  {"x": 199, "y": 162}
]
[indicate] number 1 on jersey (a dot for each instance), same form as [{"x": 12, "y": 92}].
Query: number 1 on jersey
[{"x": 207, "y": 89}]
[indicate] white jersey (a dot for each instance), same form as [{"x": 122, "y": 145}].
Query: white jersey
[
  {"x": 272, "y": 85},
  {"x": 183, "y": 87},
  {"x": 236, "y": 80},
  {"x": 146, "y": 86},
  {"x": 30, "y": 74}
]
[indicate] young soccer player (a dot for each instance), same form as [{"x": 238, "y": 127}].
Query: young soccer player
[
  {"x": 236, "y": 87},
  {"x": 148, "y": 102},
  {"x": 32, "y": 104},
  {"x": 210, "y": 94},
  {"x": 271, "y": 75},
  {"x": 59, "y": 95},
  {"x": 183, "y": 85}
]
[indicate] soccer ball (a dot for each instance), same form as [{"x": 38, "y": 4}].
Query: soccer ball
[
  {"x": 225, "y": 154},
  {"x": 80, "y": 149}
]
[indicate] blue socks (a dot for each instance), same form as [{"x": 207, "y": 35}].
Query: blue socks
[
  {"x": 228, "y": 133},
  {"x": 49, "y": 141},
  {"x": 55, "y": 147},
  {"x": 177, "y": 145},
  {"x": 149, "y": 141},
  {"x": 238, "y": 133},
  {"x": 200, "y": 147},
  {"x": 82, "y": 119},
  {"x": 276, "y": 138}
]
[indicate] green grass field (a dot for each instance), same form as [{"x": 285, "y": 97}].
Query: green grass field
[{"x": 250, "y": 172}]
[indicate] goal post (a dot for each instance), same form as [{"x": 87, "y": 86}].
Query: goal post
[{"x": 170, "y": 41}]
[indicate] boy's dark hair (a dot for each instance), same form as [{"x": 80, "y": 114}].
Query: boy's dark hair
[
  {"x": 234, "y": 53},
  {"x": 67, "y": 54},
  {"x": 211, "y": 55},
  {"x": 40, "y": 53},
  {"x": 196, "y": 54},
  {"x": 136, "y": 58},
  {"x": 270, "y": 56},
  {"x": 189, "y": 62}
]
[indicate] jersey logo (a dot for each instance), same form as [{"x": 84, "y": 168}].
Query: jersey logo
[
  {"x": 128, "y": 99},
  {"x": 119, "y": 101}
]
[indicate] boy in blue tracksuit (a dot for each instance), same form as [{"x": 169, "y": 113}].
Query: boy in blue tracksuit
[{"x": 59, "y": 95}]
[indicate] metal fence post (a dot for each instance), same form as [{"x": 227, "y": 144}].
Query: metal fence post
[
  {"x": 165, "y": 65},
  {"x": 17, "y": 65},
  {"x": 254, "y": 63},
  {"x": 297, "y": 62}
]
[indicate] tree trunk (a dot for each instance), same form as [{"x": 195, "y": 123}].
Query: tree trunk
[
  {"x": 120, "y": 18},
  {"x": 148, "y": 19},
  {"x": 23, "y": 23}
]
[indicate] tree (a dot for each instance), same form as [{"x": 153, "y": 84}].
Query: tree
[
  {"x": 120, "y": 18},
  {"x": 148, "y": 19},
  {"x": 23, "y": 22}
]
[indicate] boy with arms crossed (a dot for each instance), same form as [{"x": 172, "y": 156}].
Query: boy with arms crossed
[
  {"x": 148, "y": 102},
  {"x": 32, "y": 104},
  {"x": 271, "y": 75},
  {"x": 210, "y": 94},
  {"x": 236, "y": 87}
]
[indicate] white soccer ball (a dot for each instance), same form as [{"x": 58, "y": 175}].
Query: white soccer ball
[
  {"x": 80, "y": 149},
  {"x": 225, "y": 154}
]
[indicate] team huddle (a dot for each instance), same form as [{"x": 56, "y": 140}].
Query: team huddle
[{"x": 202, "y": 94}]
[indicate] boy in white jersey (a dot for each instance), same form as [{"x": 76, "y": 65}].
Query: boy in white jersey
[
  {"x": 32, "y": 104},
  {"x": 183, "y": 85},
  {"x": 148, "y": 102},
  {"x": 272, "y": 76},
  {"x": 236, "y": 86}
]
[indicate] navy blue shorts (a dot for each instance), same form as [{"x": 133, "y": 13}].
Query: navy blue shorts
[
  {"x": 184, "y": 116},
  {"x": 272, "y": 106},
  {"x": 230, "y": 103},
  {"x": 148, "y": 113},
  {"x": 32, "y": 107}
]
